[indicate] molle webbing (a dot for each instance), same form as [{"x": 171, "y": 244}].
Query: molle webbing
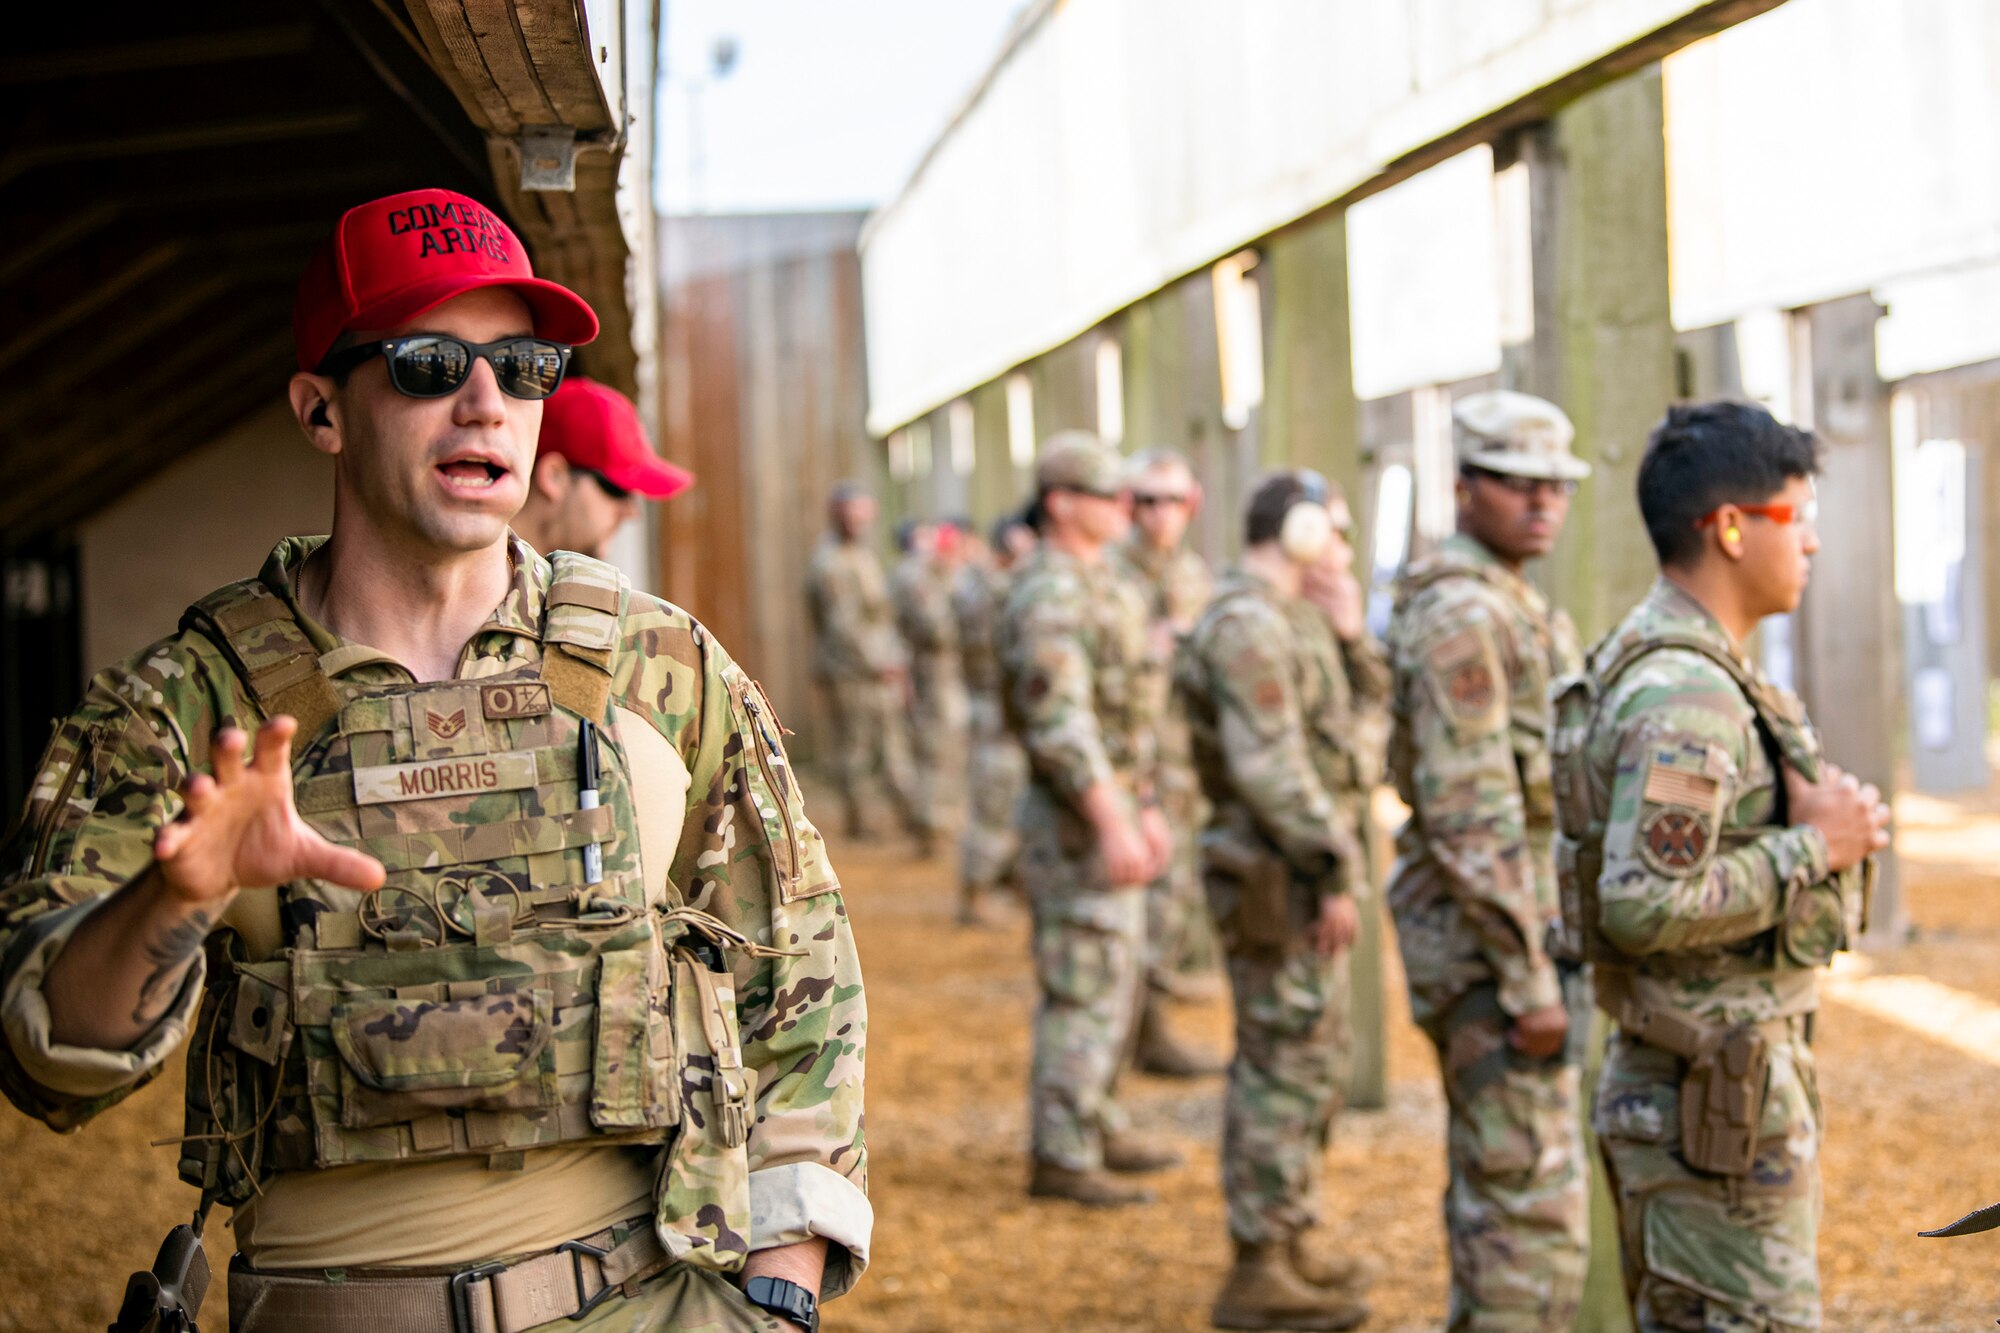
[
  {"x": 277, "y": 663},
  {"x": 580, "y": 629},
  {"x": 1771, "y": 733}
]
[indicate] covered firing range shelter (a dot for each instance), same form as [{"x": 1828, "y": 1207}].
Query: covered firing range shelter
[{"x": 166, "y": 171}]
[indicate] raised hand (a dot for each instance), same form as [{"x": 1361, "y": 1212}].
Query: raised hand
[
  {"x": 128, "y": 961},
  {"x": 1849, "y": 814},
  {"x": 240, "y": 829}
]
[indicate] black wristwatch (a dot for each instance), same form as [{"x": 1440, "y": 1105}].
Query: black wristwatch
[{"x": 787, "y": 1300}]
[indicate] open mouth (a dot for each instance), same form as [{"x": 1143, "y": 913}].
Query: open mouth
[{"x": 472, "y": 474}]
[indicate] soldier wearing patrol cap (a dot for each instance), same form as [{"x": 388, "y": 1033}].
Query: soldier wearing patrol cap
[
  {"x": 592, "y": 467},
  {"x": 517, "y": 988},
  {"x": 1073, "y": 659},
  {"x": 1473, "y": 648}
]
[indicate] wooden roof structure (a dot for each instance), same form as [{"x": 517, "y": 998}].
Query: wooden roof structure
[{"x": 166, "y": 169}]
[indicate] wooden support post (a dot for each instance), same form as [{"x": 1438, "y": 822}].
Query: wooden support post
[
  {"x": 1591, "y": 329},
  {"x": 1312, "y": 419},
  {"x": 1849, "y": 635}
]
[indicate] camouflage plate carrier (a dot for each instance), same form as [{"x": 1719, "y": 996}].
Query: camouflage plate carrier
[
  {"x": 1722, "y": 1099},
  {"x": 486, "y": 1000}
]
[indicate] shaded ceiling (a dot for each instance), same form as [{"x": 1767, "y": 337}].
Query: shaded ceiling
[{"x": 165, "y": 172}]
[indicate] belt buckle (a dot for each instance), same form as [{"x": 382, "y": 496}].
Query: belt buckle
[
  {"x": 576, "y": 1249},
  {"x": 461, "y": 1304}
]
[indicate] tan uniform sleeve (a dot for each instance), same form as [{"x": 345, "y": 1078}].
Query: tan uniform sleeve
[{"x": 1470, "y": 802}]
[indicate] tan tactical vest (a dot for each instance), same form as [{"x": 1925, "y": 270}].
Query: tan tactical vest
[
  {"x": 1816, "y": 923},
  {"x": 487, "y": 1000}
]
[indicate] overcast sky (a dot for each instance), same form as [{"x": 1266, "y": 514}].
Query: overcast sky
[{"x": 829, "y": 104}]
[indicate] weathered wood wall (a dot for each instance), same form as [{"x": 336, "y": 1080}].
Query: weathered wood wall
[{"x": 762, "y": 388}]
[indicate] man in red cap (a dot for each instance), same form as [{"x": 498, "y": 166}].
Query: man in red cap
[
  {"x": 592, "y": 467},
  {"x": 471, "y": 956}
]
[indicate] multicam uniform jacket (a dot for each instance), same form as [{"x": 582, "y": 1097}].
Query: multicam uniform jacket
[
  {"x": 1474, "y": 649},
  {"x": 1078, "y": 678},
  {"x": 1272, "y": 729},
  {"x": 1697, "y": 873},
  {"x": 852, "y": 613},
  {"x": 1707, "y": 913},
  {"x": 1177, "y": 585},
  {"x": 712, "y": 851}
]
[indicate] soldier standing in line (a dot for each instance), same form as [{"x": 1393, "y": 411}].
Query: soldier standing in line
[
  {"x": 997, "y": 769},
  {"x": 1268, "y": 680},
  {"x": 592, "y": 465},
  {"x": 1176, "y": 584},
  {"x": 1073, "y": 659},
  {"x": 860, "y": 661},
  {"x": 515, "y": 916},
  {"x": 920, "y": 589},
  {"x": 1712, "y": 861},
  {"x": 1474, "y": 647}
]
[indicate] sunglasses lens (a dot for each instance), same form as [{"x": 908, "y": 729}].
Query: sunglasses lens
[
  {"x": 528, "y": 367},
  {"x": 430, "y": 367}
]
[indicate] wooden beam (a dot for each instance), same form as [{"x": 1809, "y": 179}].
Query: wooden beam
[
  {"x": 96, "y": 61},
  {"x": 19, "y": 161},
  {"x": 46, "y": 324}
]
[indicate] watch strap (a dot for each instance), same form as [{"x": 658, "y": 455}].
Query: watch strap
[{"x": 787, "y": 1300}]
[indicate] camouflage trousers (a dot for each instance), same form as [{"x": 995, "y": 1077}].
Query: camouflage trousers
[
  {"x": 1088, "y": 941},
  {"x": 1706, "y": 1253},
  {"x": 1517, "y": 1208},
  {"x": 938, "y": 727},
  {"x": 996, "y": 772},
  {"x": 1179, "y": 939},
  {"x": 870, "y": 741},
  {"x": 1285, "y": 1080}
]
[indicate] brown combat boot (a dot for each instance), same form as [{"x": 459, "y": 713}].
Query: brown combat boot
[
  {"x": 1130, "y": 1154},
  {"x": 1328, "y": 1268},
  {"x": 1263, "y": 1291},
  {"x": 1158, "y": 1052},
  {"x": 1094, "y": 1189}
]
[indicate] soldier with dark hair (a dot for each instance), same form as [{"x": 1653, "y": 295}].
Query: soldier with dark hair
[
  {"x": 1270, "y": 683},
  {"x": 1712, "y": 861}
]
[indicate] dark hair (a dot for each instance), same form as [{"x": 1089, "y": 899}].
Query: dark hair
[
  {"x": 1702, "y": 455},
  {"x": 1006, "y": 523},
  {"x": 906, "y": 532},
  {"x": 1269, "y": 503},
  {"x": 1036, "y": 513}
]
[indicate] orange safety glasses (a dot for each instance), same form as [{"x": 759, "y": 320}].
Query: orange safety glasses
[{"x": 1807, "y": 513}]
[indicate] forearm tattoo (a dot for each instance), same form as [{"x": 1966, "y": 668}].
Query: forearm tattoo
[{"x": 168, "y": 950}]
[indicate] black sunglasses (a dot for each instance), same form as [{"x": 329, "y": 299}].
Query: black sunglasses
[
  {"x": 605, "y": 484},
  {"x": 434, "y": 365},
  {"x": 1145, "y": 500},
  {"x": 1523, "y": 485}
]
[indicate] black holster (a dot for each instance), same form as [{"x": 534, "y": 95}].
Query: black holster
[{"x": 167, "y": 1298}]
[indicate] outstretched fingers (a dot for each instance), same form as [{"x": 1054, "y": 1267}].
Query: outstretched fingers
[
  {"x": 274, "y": 746},
  {"x": 320, "y": 859}
]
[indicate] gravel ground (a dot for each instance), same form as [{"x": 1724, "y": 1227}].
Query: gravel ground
[{"x": 959, "y": 1246}]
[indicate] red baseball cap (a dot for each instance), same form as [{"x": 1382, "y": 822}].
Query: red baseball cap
[
  {"x": 390, "y": 260},
  {"x": 594, "y": 426}
]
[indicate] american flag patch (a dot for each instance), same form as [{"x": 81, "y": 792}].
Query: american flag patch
[{"x": 1676, "y": 786}]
